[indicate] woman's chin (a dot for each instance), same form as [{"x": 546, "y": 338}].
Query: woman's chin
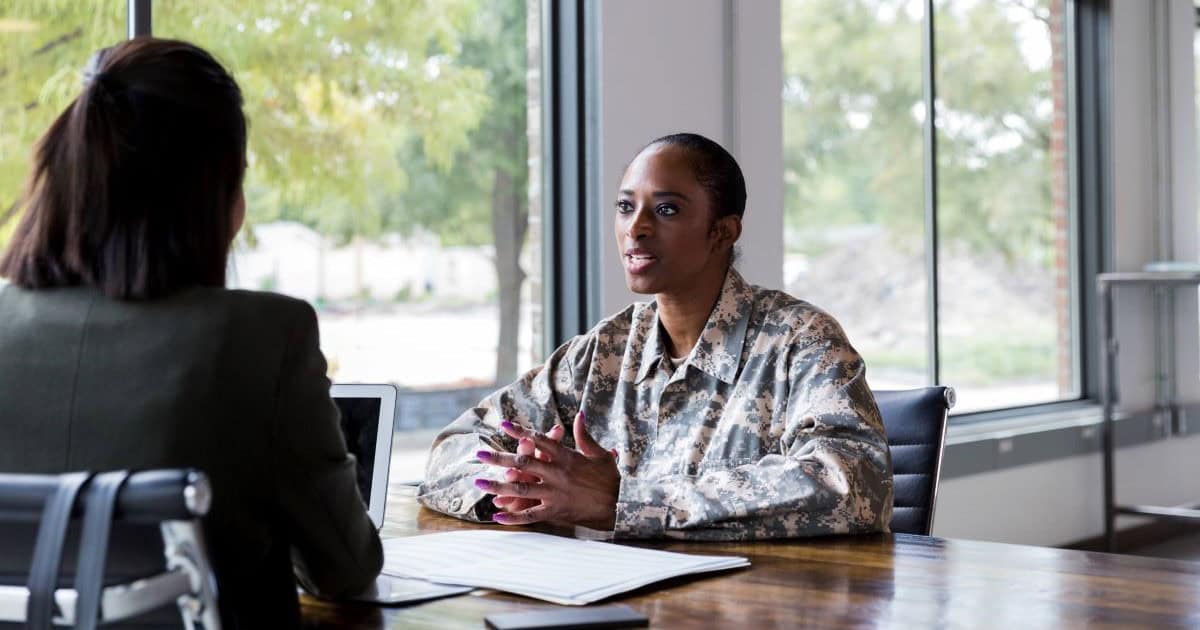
[{"x": 640, "y": 284}]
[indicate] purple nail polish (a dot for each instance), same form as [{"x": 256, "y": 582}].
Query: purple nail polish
[
  {"x": 500, "y": 517},
  {"x": 484, "y": 456},
  {"x": 483, "y": 484},
  {"x": 508, "y": 425}
]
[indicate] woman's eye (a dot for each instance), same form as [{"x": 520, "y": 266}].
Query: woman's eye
[
  {"x": 667, "y": 210},
  {"x": 624, "y": 207}
]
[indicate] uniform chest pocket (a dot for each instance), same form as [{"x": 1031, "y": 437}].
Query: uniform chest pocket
[
  {"x": 717, "y": 465},
  {"x": 735, "y": 444}
]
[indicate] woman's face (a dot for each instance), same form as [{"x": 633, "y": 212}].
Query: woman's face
[{"x": 667, "y": 235}]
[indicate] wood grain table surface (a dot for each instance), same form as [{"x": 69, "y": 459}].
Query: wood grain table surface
[{"x": 883, "y": 580}]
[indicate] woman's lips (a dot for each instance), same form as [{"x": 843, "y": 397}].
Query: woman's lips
[{"x": 639, "y": 263}]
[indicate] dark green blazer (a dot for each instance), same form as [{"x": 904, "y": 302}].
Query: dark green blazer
[{"x": 230, "y": 382}]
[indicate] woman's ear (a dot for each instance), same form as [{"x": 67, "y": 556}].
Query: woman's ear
[
  {"x": 729, "y": 229},
  {"x": 239, "y": 213}
]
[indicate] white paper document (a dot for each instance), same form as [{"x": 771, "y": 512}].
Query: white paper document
[{"x": 541, "y": 566}]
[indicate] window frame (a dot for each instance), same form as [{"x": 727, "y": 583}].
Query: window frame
[
  {"x": 139, "y": 18},
  {"x": 571, "y": 171},
  {"x": 1090, "y": 211}
]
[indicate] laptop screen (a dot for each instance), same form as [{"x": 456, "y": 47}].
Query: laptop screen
[{"x": 360, "y": 425}]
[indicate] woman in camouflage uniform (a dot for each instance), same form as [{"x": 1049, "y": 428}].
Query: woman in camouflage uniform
[{"x": 717, "y": 411}]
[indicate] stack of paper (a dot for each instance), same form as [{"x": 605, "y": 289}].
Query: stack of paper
[{"x": 550, "y": 568}]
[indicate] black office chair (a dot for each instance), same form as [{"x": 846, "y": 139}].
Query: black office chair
[
  {"x": 139, "y": 541},
  {"x": 915, "y": 421}
]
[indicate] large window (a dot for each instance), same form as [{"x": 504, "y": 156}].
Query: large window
[
  {"x": 43, "y": 48},
  {"x": 388, "y": 185},
  {"x": 388, "y": 181},
  {"x": 869, "y": 223}
]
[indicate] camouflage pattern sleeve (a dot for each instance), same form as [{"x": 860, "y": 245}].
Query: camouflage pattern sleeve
[
  {"x": 830, "y": 472},
  {"x": 543, "y": 397}
]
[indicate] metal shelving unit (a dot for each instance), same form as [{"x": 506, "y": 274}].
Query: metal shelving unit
[{"x": 1160, "y": 282}]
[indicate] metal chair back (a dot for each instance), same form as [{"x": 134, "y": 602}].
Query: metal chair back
[{"x": 119, "y": 545}]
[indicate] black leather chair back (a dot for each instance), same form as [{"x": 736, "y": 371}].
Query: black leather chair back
[{"x": 915, "y": 421}]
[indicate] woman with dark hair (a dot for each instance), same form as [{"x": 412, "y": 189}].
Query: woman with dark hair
[
  {"x": 718, "y": 411},
  {"x": 121, "y": 348}
]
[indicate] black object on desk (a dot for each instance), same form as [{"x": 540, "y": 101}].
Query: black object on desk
[{"x": 614, "y": 616}]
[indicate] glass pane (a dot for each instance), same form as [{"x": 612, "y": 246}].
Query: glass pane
[
  {"x": 853, "y": 170},
  {"x": 44, "y": 47},
  {"x": 389, "y": 185},
  {"x": 1005, "y": 245}
]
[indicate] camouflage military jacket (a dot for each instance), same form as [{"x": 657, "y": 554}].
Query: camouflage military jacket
[{"x": 766, "y": 430}]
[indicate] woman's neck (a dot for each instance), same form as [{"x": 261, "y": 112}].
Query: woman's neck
[{"x": 684, "y": 313}]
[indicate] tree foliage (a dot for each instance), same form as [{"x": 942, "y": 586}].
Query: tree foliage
[
  {"x": 331, "y": 90},
  {"x": 43, "y": 47},
  {"x": 458, "y": 201},
  {"x": 853, "y": 116}
]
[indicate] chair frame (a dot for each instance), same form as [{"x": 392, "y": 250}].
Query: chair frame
[
  {"x": 951, "y": 398},
  {"x": 188, "y": 580}
]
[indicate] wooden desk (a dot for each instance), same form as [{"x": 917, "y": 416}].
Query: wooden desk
[{"x": 881, "y": 580}]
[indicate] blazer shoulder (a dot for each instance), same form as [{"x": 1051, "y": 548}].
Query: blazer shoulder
[
  {"x": 259, "y": 305},
  {"x": 265, "y": 299},
  {"x": 255, "y": 319}
]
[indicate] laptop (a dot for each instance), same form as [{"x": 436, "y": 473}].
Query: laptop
[{"x": 368, "y": 414}]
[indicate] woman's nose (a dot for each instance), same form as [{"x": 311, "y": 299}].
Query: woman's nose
[{"x": 641, "y": 224}]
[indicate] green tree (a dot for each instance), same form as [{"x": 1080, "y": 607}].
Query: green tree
[
  {"x": 854, "y": 155},
  {"x": 483, "y": 197},
  {"x": 331, "y": 89},
  {"x": 365, "y": 116},
  {"x": 853, "y": 118},
  {"x": 43, "y": 47}
]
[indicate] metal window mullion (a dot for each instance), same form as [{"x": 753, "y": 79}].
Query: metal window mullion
[
  {"x": 1092, "y": 111},
  {"x": 552, "y": 173},
  {"x": 590, "y": 205},
  {"x": 570, "y": 229},
  {"x": 931, "y": 217},
  {"x": 1164, "y": 299},
  {"x": 137, "y": 18}
]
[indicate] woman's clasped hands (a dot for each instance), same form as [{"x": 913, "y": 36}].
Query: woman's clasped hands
[{"x": 548, "y": 482}]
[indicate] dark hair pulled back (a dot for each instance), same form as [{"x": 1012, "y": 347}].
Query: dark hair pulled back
[
  {"x": 715, "y": 169},
  {"x": 133, "y": 185}
]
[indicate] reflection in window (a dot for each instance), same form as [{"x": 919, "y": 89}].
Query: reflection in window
[{"x": 389, "y": 185}]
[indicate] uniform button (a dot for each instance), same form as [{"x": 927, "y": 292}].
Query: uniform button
[{"x": 455, "y": 505}]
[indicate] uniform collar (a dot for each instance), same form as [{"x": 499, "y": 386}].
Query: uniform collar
[{"x": 718, "y": 352}]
